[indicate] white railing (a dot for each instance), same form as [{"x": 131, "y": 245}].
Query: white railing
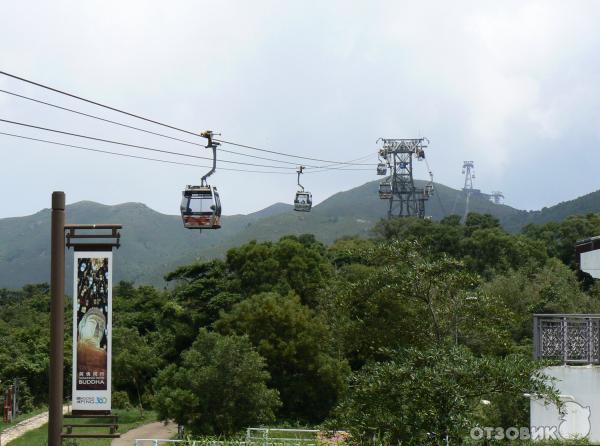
[
  {"x": 160, "y": 441},
  {"x": 255, "y": 436},
  {"x": 278, "y": 437}
]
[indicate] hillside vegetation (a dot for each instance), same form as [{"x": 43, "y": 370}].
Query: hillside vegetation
[
  {"x": 154, "y": 243},
  {"x": 399, "y": 336}
]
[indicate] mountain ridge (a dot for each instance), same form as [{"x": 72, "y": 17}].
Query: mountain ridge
[{"x": 154, "y": 243}]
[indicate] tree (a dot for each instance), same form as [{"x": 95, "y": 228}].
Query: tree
[
  {"x": 481, "y": 243},
  {"x": 293, "y": 264},
  {"x": 402, "y": 296},
  {"x": 552, "y": 288},
  {"x": 298, "y": 349},
  {"x": 219, "y": 388},
  {"x": 135, "y": 362},
  {"x": 559, "y": 238},
  {"x": 425, "y": 397}
]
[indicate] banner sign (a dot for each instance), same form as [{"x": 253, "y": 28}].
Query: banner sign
[{"x": 92, "y": 327}]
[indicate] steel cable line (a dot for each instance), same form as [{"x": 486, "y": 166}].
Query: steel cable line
[
  {"x": 222, "y": 141},
  {"x": 331, "y": 165},
  {"x": 443, "y": 208},
  {"x": 135, "y": 156},
  {"x": 99, "y": 118},
  {"x": 37, "y": 84},
  {"x": 96, "y": 103},
  {"x": 138, "y": 146}
]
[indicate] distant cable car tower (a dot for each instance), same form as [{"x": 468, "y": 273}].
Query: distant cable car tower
[
  {"x": 468, "y": 171},
  {"x": 497, "y": 197},
  {"x": 405, "y": 198}
]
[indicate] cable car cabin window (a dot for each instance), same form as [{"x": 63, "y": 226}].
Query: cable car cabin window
[
  {"x": 303, "y": 201},
  {"x": 217, "y": 203},
  {"x": 200, "y": 209}
]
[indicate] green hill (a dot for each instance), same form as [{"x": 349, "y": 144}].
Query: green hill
[{"x": 154, "y": 243}]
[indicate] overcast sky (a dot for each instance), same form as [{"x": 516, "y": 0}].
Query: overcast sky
[{"x": 513, "y": 86}]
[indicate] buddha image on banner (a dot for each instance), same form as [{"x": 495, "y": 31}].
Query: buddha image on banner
[{"x": 92, "y": 327}]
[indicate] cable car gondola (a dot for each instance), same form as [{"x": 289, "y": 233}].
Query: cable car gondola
[
  {"x": 381, "y": 169},
  {"x": 303, "y": 199},
  {"x": 428, "y": 192},
  {"x": 385, "y": 190},
  {"x": 201, "y": 205}
]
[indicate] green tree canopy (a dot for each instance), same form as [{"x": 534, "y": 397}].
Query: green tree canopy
[
  {"x": 423, "y": 397},
  {"x": 219, "y": 387},
  {"x": 298, "y": 348}
]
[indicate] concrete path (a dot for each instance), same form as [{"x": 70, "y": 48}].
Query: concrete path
[
  {"x": 27, "y": 425},
  {"x": 152, "y": 430}
]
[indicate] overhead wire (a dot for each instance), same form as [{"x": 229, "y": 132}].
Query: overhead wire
[
  {"x": 442, "y": 207},
  {"x": 135, "y": 156},
  {"x": 173, "y": 138},
  {"x": 172, "y": 127},
  {"x": 223, "y": 141},
  {"x": 127, "y": 155},
  {"x": 89, "y": 101},
  {"x": 136, "y": 146}
]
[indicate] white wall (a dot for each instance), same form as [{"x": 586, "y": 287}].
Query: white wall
[
  {"x": 590, "y": 263},
  {"x": 579, "y": 387}
]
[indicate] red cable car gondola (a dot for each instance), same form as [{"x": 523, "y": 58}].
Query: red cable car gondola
[{"x": 201, "y": 205}]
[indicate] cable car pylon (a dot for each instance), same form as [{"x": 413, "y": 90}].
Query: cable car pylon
[
  {"x": 201, "y": 205},
  {"x": 405, "y": 199},
  {"x": 303, "y": 199}
]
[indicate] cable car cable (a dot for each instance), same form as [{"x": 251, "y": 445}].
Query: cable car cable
[
  {"x": 99, "y": 118},
  {"x": 56, "y": 90},
  {"x": 286, "y": 154},
  {"x": 135, "y": 156},
  {"x": 137, "y": 146}
]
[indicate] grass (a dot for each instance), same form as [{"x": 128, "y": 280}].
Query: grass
[
  {"x": 22, "y": 417},
  {"x": 128, "y": 419}
]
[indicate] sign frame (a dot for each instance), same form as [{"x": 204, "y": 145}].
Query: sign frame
[{"x": 90, "y": 401}]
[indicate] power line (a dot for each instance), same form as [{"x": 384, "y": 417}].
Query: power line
[
  {"x": 37, "y": 84},
  {"x": 99, "y": 118},
  {"x": 137, "y": 146},
  {"x": 89, "y": 149}
]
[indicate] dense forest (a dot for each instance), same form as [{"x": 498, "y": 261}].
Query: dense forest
[{"x": 399, "y": 336}]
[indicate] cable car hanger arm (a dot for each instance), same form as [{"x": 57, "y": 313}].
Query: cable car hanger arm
[
  {"x": 208, "y": 134},
  {"x": 299, "y": 171}
]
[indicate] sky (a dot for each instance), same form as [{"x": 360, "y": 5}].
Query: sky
[{"x": 512, "y": 85}]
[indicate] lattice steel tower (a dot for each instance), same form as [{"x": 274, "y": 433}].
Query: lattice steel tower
[
  {"x": 468, "y": 171},
  {"x": 405, "y": 198}
]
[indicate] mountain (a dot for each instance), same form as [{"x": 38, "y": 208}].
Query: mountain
[{"x": 154, "y": 243}]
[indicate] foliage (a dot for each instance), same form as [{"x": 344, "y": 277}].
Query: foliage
[
  {"x": 298, "y": 348},
  {"x": 481, "y": 243},
  {"x": 292, "y": 264},
  {"x": 559, "y": 237},
  {"x": 422, "y": 397},
  {"x": 120, "y": 400},
  {"x": 296, "y": 319},
  {"x": 400, "y": 297},
  {"x": 135, "y": 362},
  {"x": 219, "y": 387}
]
